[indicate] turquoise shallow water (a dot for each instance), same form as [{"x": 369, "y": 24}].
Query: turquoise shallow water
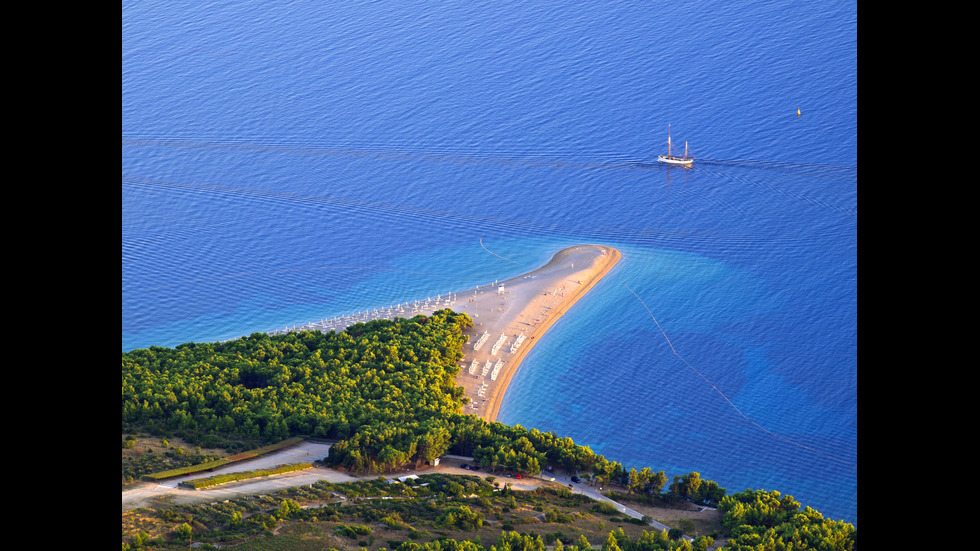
[{"x": 285, "y": 163}]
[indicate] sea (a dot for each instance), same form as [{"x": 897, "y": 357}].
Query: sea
[{"x": 287, "y": 162}]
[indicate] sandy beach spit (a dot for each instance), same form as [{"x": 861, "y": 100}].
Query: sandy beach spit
[{"x": 512, "y": 315}]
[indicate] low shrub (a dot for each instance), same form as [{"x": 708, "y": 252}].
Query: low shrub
[{"x": 207, "y": 482}]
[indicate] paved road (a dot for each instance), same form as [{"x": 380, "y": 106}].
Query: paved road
[
  {"x": 596, "y": 495},
  {"x": 148, "y": 492}
]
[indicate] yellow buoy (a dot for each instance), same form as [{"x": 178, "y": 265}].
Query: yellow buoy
[{"x": 797, "y": 113}]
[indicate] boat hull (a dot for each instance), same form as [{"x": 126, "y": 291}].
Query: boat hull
[{"x": 674, "y": 160}]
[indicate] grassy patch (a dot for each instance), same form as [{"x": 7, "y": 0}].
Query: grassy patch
[
  {"x": 390, "y": 513},
  {"x": 196, "y": 468},
  {"x": 207, "y": 482},
  {"x": 142, "y": 455}
]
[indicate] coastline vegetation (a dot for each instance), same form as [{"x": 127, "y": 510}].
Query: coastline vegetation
[{"x": 385, "y": 392}]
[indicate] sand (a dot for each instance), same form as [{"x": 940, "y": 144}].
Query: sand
[{"x": 524, "y": 305}]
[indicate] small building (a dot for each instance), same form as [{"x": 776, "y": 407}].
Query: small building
[{"x": 403, "y": 479}]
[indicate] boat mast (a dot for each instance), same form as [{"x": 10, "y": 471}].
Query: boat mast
[{"x": 668, "y": 141}]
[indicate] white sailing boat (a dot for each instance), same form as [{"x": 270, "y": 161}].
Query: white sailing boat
[{"x": 670, "y": 158}]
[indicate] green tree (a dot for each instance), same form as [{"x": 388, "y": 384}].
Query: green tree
[
  {"x": 760, "y": 517},
  {"x": 462, "y": 518},
  {"x": 141, "y": 539},
  {"x": 710, "y": 492},
  {"x": 635, "y": 484},
  {"x": 432, "y": 444},
  {"x": 287, "y": 509},
  {"x": 512, "y": 541},
  {"x": 454, "y": 488},
  {"x": 611, "y": 543},
  {"x": 686, "y": 486},
  {"x": 653, "y": 541},
  {"x": 657, "y": 482},
  {"x": 702, "y": 543},
  {"x": 183, "y": 532}
]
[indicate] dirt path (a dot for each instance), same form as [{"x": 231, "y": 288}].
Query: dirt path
[
  {"x": 169, "y": 493},
  {"x": 148, "y": 493}
]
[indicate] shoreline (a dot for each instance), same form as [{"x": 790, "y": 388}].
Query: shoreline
[
  {"x": 542, "y": 295},
  {"x": 503, "y": 312}
]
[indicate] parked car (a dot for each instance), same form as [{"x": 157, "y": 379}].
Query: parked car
[
  {"x": 576, "y": 479},
  {"x": 518, "y": 476},
  {"x": 465, "y": 466}
]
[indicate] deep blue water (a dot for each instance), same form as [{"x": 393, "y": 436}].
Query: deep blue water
[{"x": 283, "y": 162}]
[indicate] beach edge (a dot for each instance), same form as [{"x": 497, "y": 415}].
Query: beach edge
[{"x": 495, "y": 400}]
